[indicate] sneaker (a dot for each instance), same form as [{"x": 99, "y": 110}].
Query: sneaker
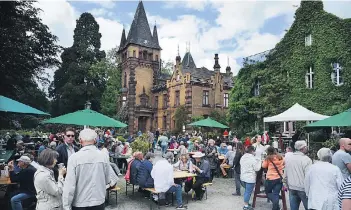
[
  {"x": 166, "y": 204},
  {"x": 236, "y": 194},
  {"x": 247, "y": 208},
  {"x": 181, "y": 207},
  {"x": 119, "y": 174}
]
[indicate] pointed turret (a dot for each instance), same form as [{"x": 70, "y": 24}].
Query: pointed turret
[
  {"x": 123, "y": 40},
  {"x": 216, "y": 66},
  {"x": 228, "y": 70},
  {"x": 140, "y": 33},
  {"x": 155, "y": 37}
]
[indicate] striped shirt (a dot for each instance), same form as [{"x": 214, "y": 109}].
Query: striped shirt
[{"x": 345, "y": 191}]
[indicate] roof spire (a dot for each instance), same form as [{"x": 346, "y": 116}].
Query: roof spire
[
  {"x": 178, "y": 58},
  {"x": 178, "y": 49},
  {"x": 228, "y": 69},
  {"x": 140, "y": 33}
]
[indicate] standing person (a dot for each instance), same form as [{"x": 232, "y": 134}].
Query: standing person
[
  {"x": 342, "y": 157},
  {"x": 151, "y": 141},
  {"x": 322, "y": 182},
  {"x": 49, "y": 192},
  {"x": 66, "y": 149},
  {"x": 238, "y": 154},
  {"x": 273, "y": 184},
  {"x": 259, "y": 148},
  {"x": 25, "y": 179},
  {"x": 164, "y": 143},
  {"x": 211, "y": 156},
  {"x": 344, "y": 195},
  {"x": 265, "y": 138},
  {"x": 87, "y": 176},
  {"x": 296, "y": 167},
  {"x": 249, "y": 165}
]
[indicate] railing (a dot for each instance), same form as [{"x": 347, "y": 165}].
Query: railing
[{"x": 257, "y": 58}]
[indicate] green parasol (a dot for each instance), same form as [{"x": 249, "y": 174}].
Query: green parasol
[
  {"x": 10, "y": 105},
  {"x": 208, "y": 122},
  {"x": 86, "y": 117},
  {"x": 340, "y": 120}
]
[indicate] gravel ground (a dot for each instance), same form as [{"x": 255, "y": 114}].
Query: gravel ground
[{"x": 219, "y": 197}]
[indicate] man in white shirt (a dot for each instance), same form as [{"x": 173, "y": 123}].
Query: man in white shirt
[
  {"x": 162, "y": 173},
  {"x": 296, "y": 167}
]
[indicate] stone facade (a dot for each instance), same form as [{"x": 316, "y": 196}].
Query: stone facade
[{"x": 152, "y": 97}]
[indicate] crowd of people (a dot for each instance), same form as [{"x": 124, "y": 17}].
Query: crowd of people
[{"x": 57, "y": 178}]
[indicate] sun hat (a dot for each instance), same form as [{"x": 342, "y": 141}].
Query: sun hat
[
  {"x": 198, "y": 155},
  {"x": 24, "y": 159}
]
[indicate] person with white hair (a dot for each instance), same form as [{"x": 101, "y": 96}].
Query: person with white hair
[
  {"x": 88, "y": 173},
  {"x": 296, "y": 166},
  {"x": 228, "y": 160},
  {"x": 322, "y": 182}
]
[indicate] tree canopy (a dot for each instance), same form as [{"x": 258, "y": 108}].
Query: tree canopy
[{"x": 75, "y": 82}]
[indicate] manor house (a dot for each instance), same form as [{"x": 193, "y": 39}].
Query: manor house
[{"x": 152, "y": 97}]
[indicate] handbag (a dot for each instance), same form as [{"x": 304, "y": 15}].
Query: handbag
[{"x": 276, "y": 168}]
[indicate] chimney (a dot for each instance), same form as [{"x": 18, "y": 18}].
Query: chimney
[{"x": 216, "y": 67}]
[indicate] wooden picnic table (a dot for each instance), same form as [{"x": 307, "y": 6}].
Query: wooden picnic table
[
  {"x": 182, "y": 174},
  {"x": 5, "y": 181}
]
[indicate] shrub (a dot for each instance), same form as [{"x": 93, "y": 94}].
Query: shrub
[{"x": 140, "y": 144}]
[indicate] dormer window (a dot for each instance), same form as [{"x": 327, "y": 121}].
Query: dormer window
[
  {"x": 156, "y": 57},
  {"x": 308, "y": 40},
  {"x": 309, "y": 78},
  {"x": 336, "y": 75}
]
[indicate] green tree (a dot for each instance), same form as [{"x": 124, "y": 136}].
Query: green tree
[
  {"x": 167, "y": 67},
  {"x": 180, "y": 118},
  {"x": 27, "y": 49},
  {"x": 219, "y": 116},
  {"x": 75, "y": 81},
  {"x": 109, "y": 100}
]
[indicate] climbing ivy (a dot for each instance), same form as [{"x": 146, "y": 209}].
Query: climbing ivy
[{"x": 282, "y": 74}]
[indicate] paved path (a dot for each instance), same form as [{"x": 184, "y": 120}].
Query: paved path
[{"x": 219, "y": 198}]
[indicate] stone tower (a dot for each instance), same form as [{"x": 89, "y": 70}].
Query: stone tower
[{"x": 140, "y": 55}]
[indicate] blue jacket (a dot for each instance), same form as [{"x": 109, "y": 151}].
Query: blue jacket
[
  {"x": 144, "y": 178},
  {"x": 134, "y": 170},
  {"x": 205, "y": 169}
]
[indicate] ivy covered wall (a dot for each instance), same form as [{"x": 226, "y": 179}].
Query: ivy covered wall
[{"x": 282, "y": 76}]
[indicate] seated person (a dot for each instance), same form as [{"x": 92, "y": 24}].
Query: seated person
[
  {"x": 105, "y": 150},
  {"x": 134, "y": 167},
  {"x": 184, "y": 164},
  {"x": 202, "y": 169},
  {"x": 162, "y": 173},
  {"x": 144, "y": 178},
  {"x": 228, "y": 160},
  {"x": 182, "y": 149},
  {"x": 222, "y": 149},
  {"x": 25, "y": 178}
]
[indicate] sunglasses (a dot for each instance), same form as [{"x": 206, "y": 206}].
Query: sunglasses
[{"x": 70, "y": 136}]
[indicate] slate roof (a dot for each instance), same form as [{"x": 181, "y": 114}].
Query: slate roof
[
  {"x": 140, "y": 33},
  {"x": 188, "y": 61}
]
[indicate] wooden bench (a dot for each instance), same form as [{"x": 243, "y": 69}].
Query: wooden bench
[
  {"x": 153, "y": 191},
  {"x": 115, "y": 189},
  {"x": 129, "y": 184},
  {"x": 205, "y": 185},
  {"x": 230, "y": 170}
]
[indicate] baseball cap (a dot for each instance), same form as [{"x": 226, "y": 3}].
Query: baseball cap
[{"x": 24, "y": 159}]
